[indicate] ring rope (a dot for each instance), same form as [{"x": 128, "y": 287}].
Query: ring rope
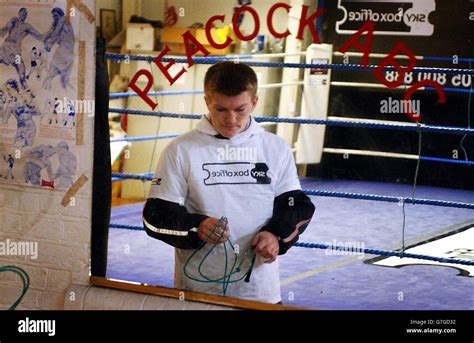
[
  {"x": 143, "y": 138},
  {"x": 131, "y": 94},
  {"x": 200, "y": 91},
  {"x": 333, "y": 66},
  {"x": 370, "y": 251},
  {"x": 342, "y": 123},
  {"x": 336, "y": 53},
  {"x": 348, "y": 152},
  {"x": 447, "y": 59},
  {"x": 128, "y": 176},
  {"x": 348, "y": 195},
  {"x": 385, "y": 198},
  {"x": 446, "y": 160},
  {"x": 451, "y": 89},
  {"x": 121, "y": 95},
  {"x": 418, "y": 57},
  {"x": 325, "y": 150},
  {"x": 385, "y": 253}
]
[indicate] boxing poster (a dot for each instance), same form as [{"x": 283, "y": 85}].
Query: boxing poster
[{"x": 41, "y": 89}]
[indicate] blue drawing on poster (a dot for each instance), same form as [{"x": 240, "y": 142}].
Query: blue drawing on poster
[
  {"x": 10, "y": 51},
  {"x": 37, "y": 56},
  {"x": 64, "y": 175},
  {"x": 25, "y": 127},
  {"x": 71, "y": 114},
  {"x": 38, "y": 62},
  {"x": 8, "y": 171},
  {"x": 56, "y": 105},
  {"x": 10, "y": 99},
  {"x": 62, "y": 34},
  {"x": 49, "y": 110},
  {"x": 39, "y": 159},
  {"x": 61, "y": 112},
  {"x": 3, "y": 107},
  {"x": 23, "y": 111}
]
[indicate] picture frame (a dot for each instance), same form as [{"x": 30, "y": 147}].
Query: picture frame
[{"x": 108, "y": 23}]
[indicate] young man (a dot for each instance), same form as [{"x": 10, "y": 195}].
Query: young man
[{"x": 228, "y": 167}]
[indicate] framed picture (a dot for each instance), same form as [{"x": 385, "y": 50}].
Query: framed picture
[{"x": 108, "y": 24}]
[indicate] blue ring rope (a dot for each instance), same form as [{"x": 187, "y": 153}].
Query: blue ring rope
[
  {"x": 347, "y": 195},
  {"x": 166, "y": 136},
  {"x": 447, "y": 59},
  {"x": 128, "y": 176},
  {"x": 386, "y": 198},
  {"x": 451, "y": 89},
  {"x": 352, "y": 67},
  {"x": 446, "y": 160},
  {"x": 127, "y": 94},
  {"x": 247, "y": 57},
  {"x": 143, "y": 138},
  {"x": 384, "y": 253},
  {"x": 342, "y": 123},
  {"x": 340, "y": 248},
  {"x": 187, "y": 92}
]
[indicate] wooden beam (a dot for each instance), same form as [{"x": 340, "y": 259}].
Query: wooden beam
[{"x": 189, "y": 296}]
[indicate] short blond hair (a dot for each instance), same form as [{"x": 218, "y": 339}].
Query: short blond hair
[{"x": 230, "y": 78}]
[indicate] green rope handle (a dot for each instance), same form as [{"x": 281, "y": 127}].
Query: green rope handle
[{"x": 226, "y": 279}]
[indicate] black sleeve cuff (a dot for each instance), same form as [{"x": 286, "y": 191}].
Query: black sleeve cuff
[
  {"x": 172, "y": 223},
  {"x": 284, "y": 247},
  {"x": 291, "y": 211}
]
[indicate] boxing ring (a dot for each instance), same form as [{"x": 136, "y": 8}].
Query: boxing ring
[{"x": 370, "y": 245}]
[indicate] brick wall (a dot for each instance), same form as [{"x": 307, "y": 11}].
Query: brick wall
[{"x": 61, "y": 235}]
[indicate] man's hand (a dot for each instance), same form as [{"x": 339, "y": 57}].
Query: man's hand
[
  {"x": 206, "y": 227},
  {"x": 266, "y": 245}
]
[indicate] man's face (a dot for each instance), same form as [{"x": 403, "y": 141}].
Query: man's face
[{"x": 230, "y": 114}]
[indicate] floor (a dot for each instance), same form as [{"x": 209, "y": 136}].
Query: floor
[{"x": 324, "y": 279}]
